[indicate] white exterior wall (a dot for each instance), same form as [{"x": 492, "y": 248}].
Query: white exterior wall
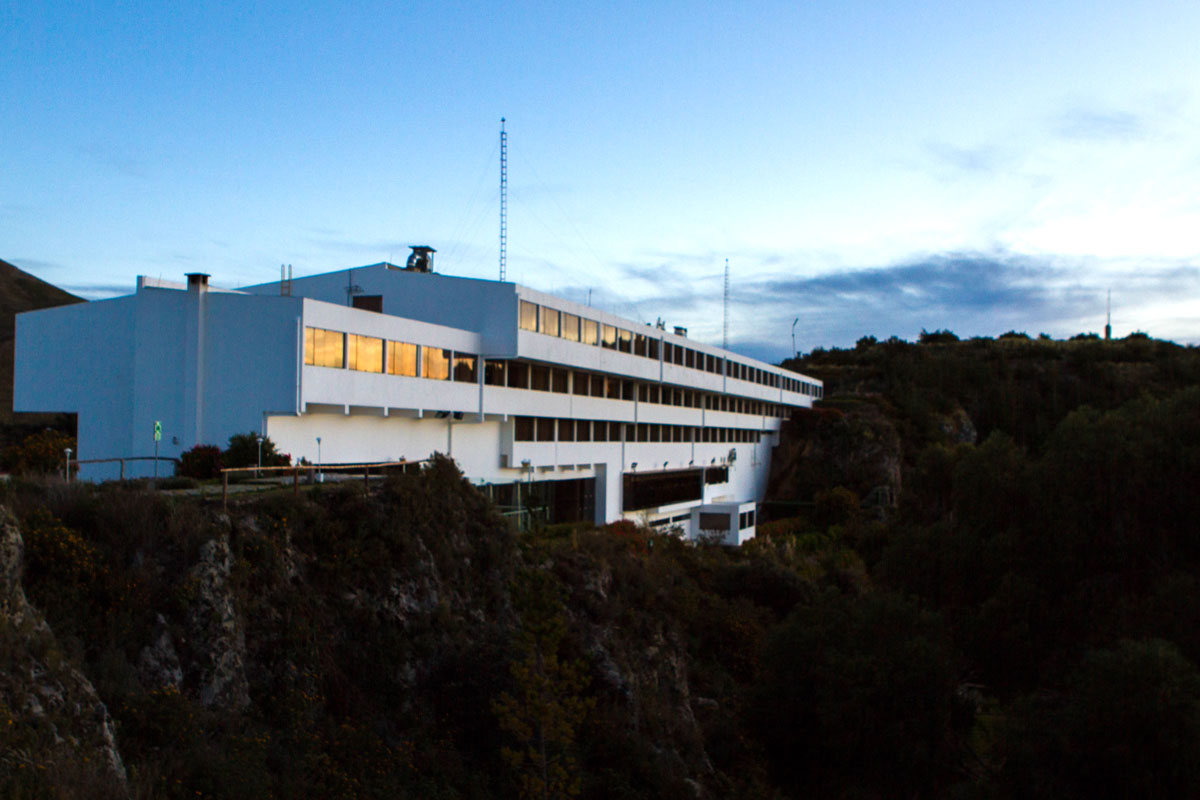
[
  {"x": 209, "y": 364},
  {"x": 204, "y": 364}
]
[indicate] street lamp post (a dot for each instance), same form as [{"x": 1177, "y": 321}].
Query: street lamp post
[
  {"x": 794, "y": 353},
  {"x": 67, "y": 473},
  {"x": 320, "y": 476}
]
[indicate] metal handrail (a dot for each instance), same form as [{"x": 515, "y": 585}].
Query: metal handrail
[{"x": 296, "y": 469}]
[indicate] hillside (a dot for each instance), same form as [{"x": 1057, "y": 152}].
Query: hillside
[
  {"x": 20, "y": 291},
  {"x": 980, "y": 583}
]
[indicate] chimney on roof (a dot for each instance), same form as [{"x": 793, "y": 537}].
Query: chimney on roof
[
  {"x": 421, "y": 259},
  {"x": 197, "y": 281}
]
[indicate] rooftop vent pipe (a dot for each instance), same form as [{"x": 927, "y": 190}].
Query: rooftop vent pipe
[
  {"x": 421, "y": 259},
  {"x": 197, "y": 281}
]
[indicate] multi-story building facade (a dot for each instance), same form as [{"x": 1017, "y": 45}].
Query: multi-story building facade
[{"x": 595, "y": 416}]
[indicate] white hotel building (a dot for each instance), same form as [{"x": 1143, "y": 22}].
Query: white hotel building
[{"x": 545, "y": 401}]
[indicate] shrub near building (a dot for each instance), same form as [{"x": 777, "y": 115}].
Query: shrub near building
[{"x": 205, "y": 461}]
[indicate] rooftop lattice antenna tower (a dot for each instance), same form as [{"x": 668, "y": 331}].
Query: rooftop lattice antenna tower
[
  {"x": 725, "y": 313},
  {"x": 503, "y": 201}
]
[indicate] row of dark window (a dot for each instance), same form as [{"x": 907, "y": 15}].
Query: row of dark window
[
  {"x": 550, "y": 429},
  {"x": 524, "y": 375},
  {"x": 552, "y": 322}
]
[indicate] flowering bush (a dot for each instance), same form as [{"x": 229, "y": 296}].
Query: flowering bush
[{"x": 202, "y": 462}]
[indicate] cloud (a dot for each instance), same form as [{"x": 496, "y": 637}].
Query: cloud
[
  {"x": 1102, "y": 124},
  {"x": 971, "y": 293},
  {"x": 98, "y": 291},
  {"x": 951, "y": 159}
]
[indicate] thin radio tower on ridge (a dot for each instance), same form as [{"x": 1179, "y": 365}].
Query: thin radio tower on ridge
[
  {"x": 503, "y": 201},
  {"x": 725, "y": 313},
  {"x": 1108, "y": 318}
]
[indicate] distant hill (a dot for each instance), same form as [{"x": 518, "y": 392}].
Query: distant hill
[{"x": 20, "y": 291}]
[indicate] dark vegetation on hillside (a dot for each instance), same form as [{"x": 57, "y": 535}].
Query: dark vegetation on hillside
[{"x": 981, "y": 582}]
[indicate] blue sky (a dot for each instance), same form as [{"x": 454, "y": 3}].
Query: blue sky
[{"x": 867, "y": 167}]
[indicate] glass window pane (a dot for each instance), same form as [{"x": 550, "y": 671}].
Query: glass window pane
[
  {"x": 549, "y": 322},
  {"x": 464, "y": 368},
  {"x": 529, "y": 316},
  {"x": 402, "y": 359},
  {"x": 524, "y": 429},
  {"x": 580, "y": 383},
  {"x": 518, "y": 375},
  {"x": 566, "y": 430},
  {"x": 624, "y": 340},
  {"x": 608, "y": 337},
  {"x": 558, "y": 380},
  {"x": 328, "y": 348},
  {"x": 570, "y": 327},
  {"x": 539, "y": 378},
  {"x": 310, "y": 354},
  {"x": 493, "y": 373},
  {"x": 365, "y": 353},
  {"x": 590, "y": 332},
  {"x": 545, "y": 429},
  {"x": 436, "y": 363}
]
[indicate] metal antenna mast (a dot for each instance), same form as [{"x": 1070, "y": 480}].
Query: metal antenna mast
[
  {"x": 1108, "y": 318},
  {"x": 725, "y": 334},
  {"x": 503, "y": 201}
]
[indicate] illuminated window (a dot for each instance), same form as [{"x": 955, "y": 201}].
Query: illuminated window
[
  {"x": 402, "y": 359},
  {"x": 464, "y": 368},
  {"x": 323, "y": 348},
  {"x": 529, "y": 316},
  {"x": 589, "y": 332},
  {"x": 570, "y": 327},
  {"x": 435, "y": 364},
  {"x": 364, "y": 353},
  {"x": 549, "y": 322},
  {"x": 608, "y": 337}
]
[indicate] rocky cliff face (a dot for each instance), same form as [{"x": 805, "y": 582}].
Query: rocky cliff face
[
  {"x": 54, "y": 718},
  {"x": 332, "y": 645}
]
